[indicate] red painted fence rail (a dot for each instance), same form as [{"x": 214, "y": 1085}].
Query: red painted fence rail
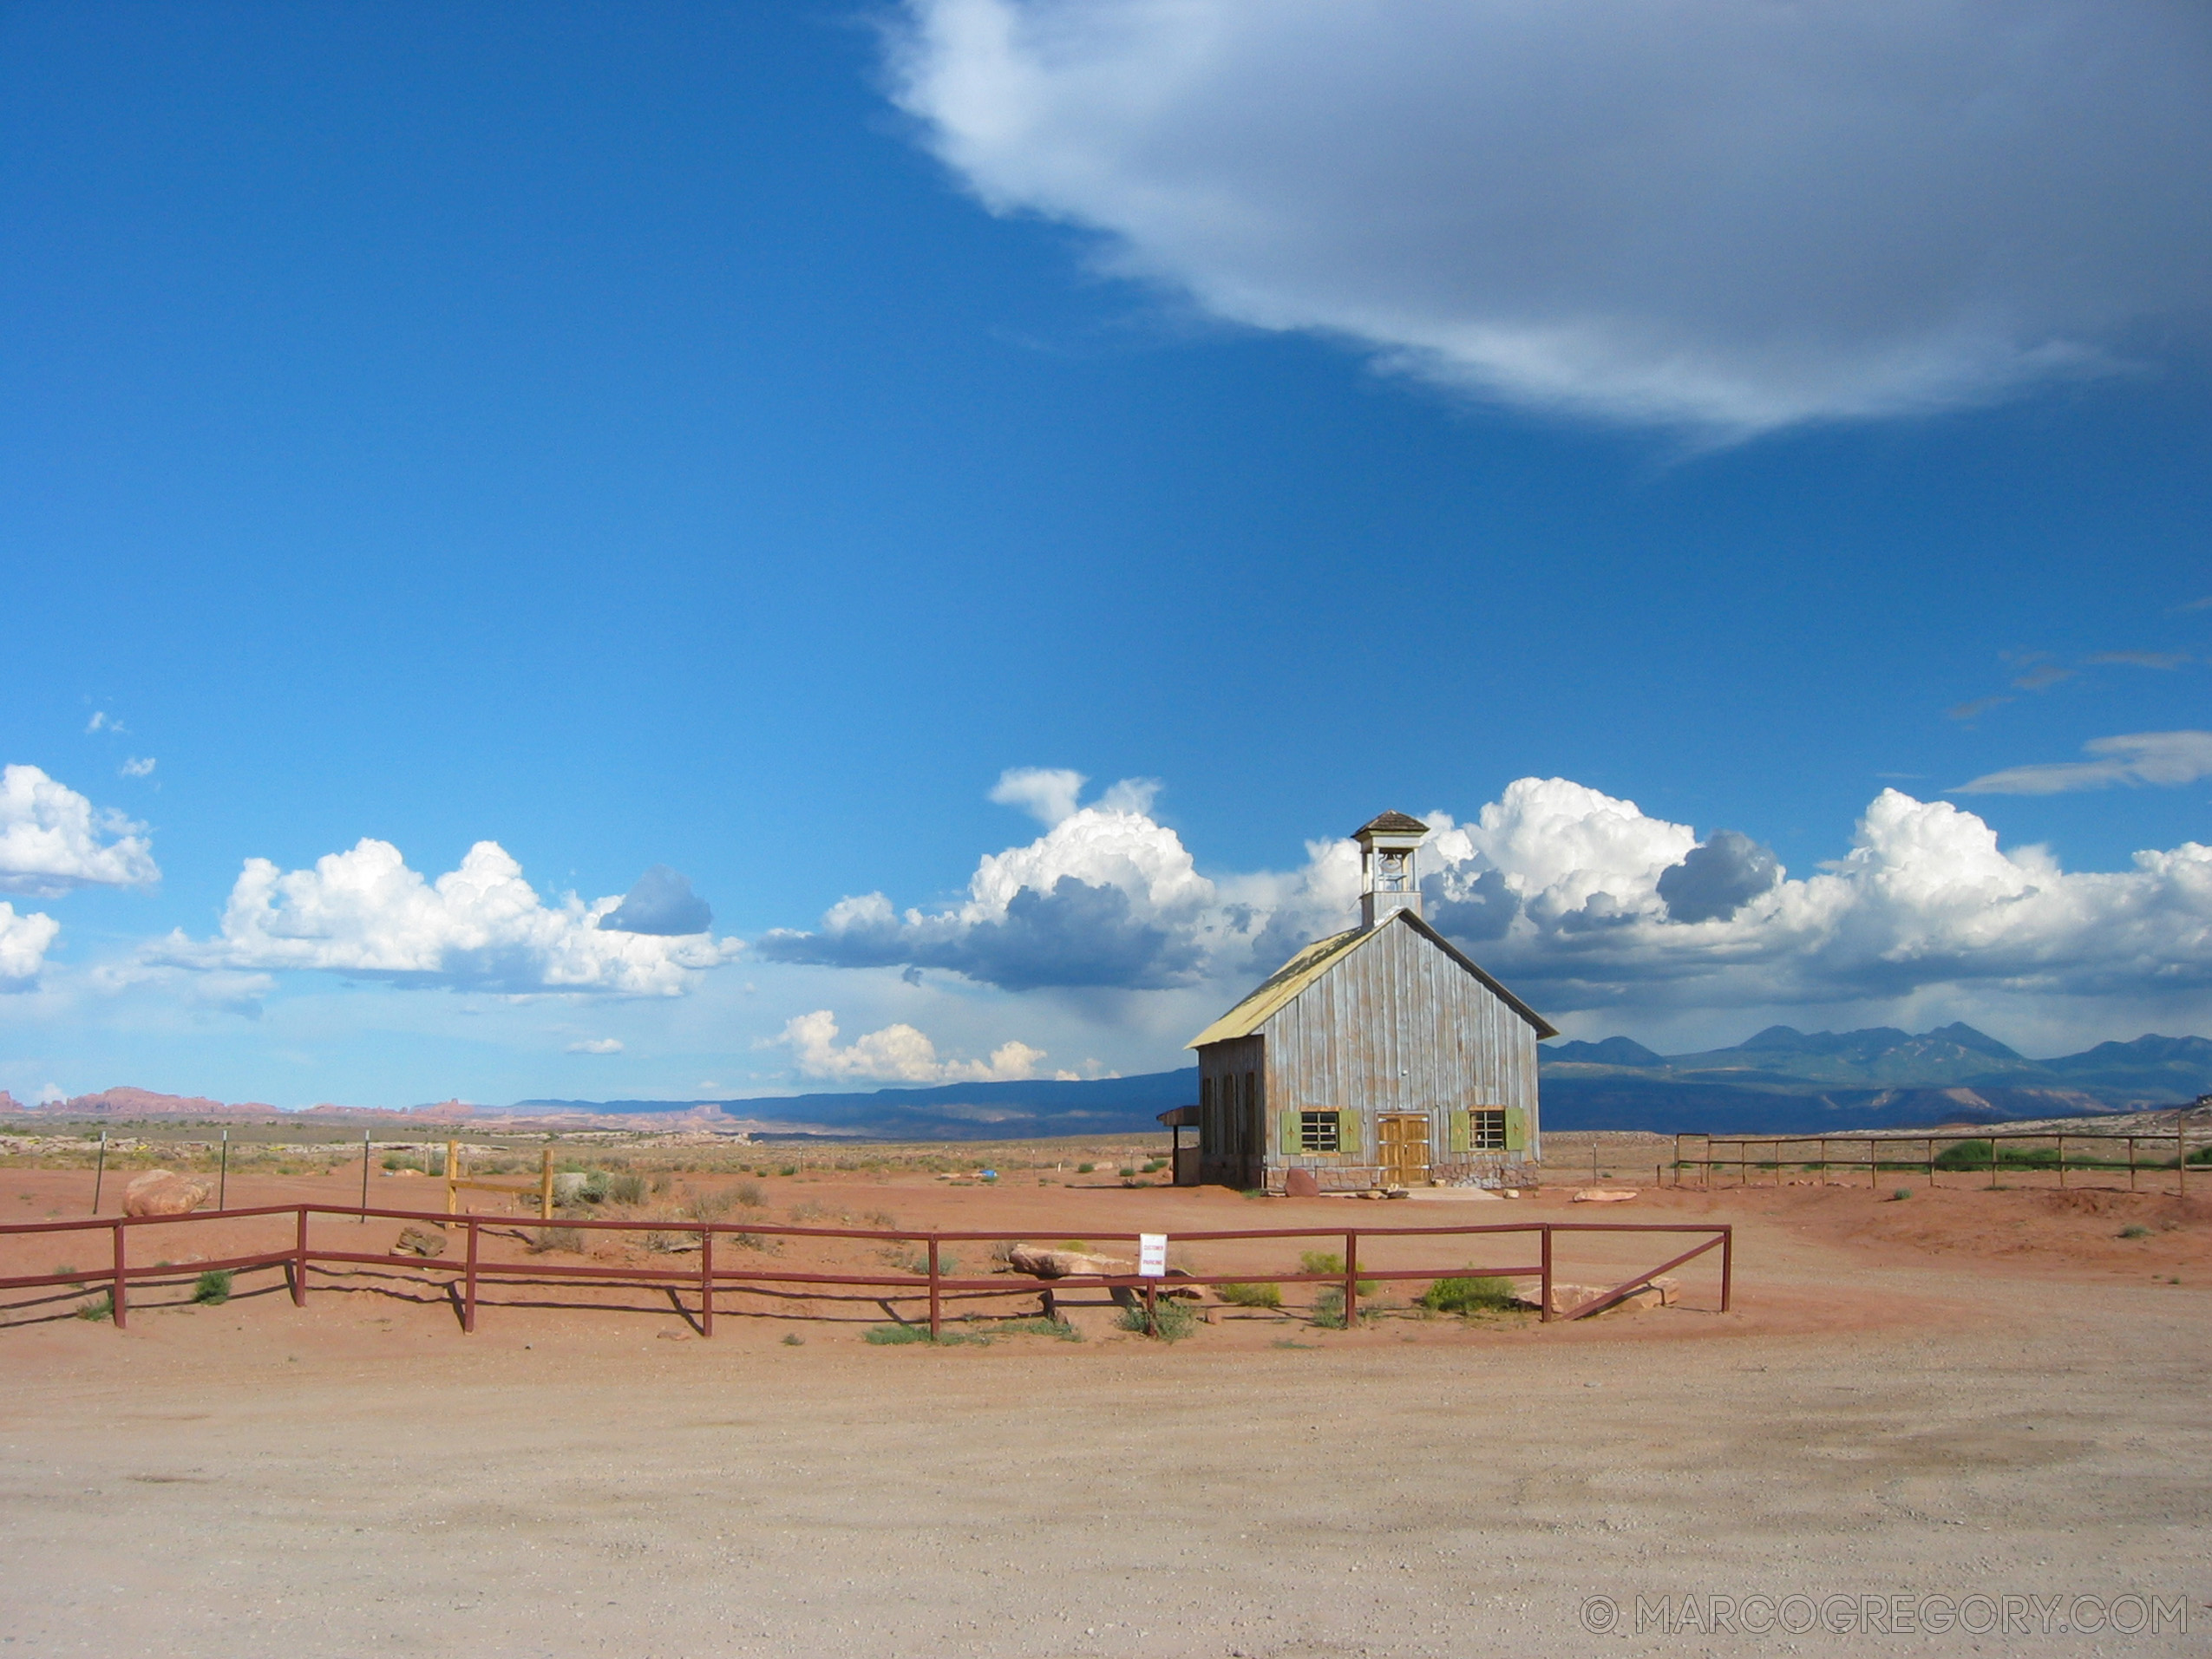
[{"x": 707, "y": 1278}]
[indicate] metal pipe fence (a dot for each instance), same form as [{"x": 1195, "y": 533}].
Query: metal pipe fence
[
  {"x": 707, "y": 1279},
  {"x": 1750, "y": 1156}
]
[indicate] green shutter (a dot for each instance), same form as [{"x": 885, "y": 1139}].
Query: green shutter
[
  {"x": 1462, "y": 1130},
  {"x": 1516, "y": 1129},
  {"x": 1286, "y": 1136},
  {"x": 1348, "y": 1133}
]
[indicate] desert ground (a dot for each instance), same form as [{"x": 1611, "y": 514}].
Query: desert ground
[{"x": 1915, "y": 1404}]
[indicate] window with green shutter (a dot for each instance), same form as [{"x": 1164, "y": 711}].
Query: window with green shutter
[
  {"x": 1516, "y": 1129},
  {"x": 1320, "y": 1132},
  {"x": 1487, "y": 1127},
  {"x": 1288, "y": 1134},
  {"x": 1347, "y": 1132},
  {"x": 1459, "y": 1134}
]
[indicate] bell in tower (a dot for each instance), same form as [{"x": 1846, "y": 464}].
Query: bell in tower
[{"x": 1387, "y": 880}]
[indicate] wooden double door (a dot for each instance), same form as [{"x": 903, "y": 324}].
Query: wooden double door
[{"x": 1403, "y": 1143}]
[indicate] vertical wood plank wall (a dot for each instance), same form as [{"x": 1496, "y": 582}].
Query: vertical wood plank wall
[{"x": 1396, "y": 1026}]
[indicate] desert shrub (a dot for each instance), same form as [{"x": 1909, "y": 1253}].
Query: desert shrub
[
  {"x": 1153, "y": 1167},
  {"x": 1251, "y": 1296},
  {"x": 628, "y": 1187},
  {"x": 897, "y": 1335},
  {"x": 914, "y": 1258},
  {"x": 1171, "y": 1320},
  {"x": 1058, "y": 1329},
  {"x": 882, "y": 1218},
  {"x": 749, "y": 1194},
  {"x": 1900, "y": 1195},
  {"x": 1126, "y": 1171},
  {"x": 792, "y": 1339},
  {"x": 100, "y": 1307},
  {"x": 1963, "y": 1154},
  {"x": 2135, "y": 1230},
  {"x": 212, "y": 1287},
  {"x": 1075, "y": 1244},
  {"x": 760, "y": 1242},
  {"x": 708, "y": 1206},
  {"x": 661, "y": 1180},
  {"x": 1328, "y": 1308},
  {"x": 808, "y": 1211},
  {"x": 65, "y": 1272},
  {"x": 545, "y": 1238},
  {"x": 788, "y": 1169},
  {"x": 666, "y": 1242},
  {"x": 1468, "y": 1296},
  {"x": 1085, "y": 1169},
  {"x": 1002, "y": 1253},
  {"x": 1322, "y": 1261},
  {"x": 594, "y": 1189}
]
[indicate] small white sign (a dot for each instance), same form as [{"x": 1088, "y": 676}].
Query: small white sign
[{"x": 1152, "y": 1255}]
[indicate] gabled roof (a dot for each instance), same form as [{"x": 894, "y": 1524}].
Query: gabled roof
[
  {"x": 1391, "y": 823},
  {"x": 1276, "y": 990}
]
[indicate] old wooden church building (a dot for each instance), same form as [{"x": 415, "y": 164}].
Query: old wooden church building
[{"x": 1379, "y": 1057}]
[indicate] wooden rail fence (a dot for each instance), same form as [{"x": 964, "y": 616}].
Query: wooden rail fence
[{"x": 707, "y": 1279}]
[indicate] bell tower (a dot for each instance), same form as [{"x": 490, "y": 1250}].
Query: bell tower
[{"x": 1387, "y": 880}]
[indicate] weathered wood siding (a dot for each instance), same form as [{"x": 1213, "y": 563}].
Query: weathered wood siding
[
  {"x": 1232, "y": 1111},
  {"x": 1398, "y": 1026}
]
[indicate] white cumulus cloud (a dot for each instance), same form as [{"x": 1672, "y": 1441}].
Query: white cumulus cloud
[
  {"x": 482, "y": 927},
  {"x": 597, "y": 1046},
  {"x": 1735, "y": 214},
  {"x": 52, "y": 839},
  {"x": 2142, "y": 757},
  {"x": 23, "y": 941},
  {"x": 1581, "y": 900},
  {"x": 1106, "y": 896},
  {"x": 898, "y": 1054}
]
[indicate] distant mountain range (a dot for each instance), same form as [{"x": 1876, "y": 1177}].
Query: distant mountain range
[
  {"x": 1787, "y": 1081},
  {"x": 1781, "y": 1081},
  {"x": 950, "y": 1112}
]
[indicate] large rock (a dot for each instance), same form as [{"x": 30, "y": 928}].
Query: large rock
[
  {"x": 421, "y": 1241},
  {"x": 1040, "y": 1263},
  {"x": 1661, "y": 1292},
  {"x": 163, "y": 1192}
]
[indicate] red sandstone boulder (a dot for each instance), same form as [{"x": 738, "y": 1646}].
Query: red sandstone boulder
[{"x": 163, "y": 1192}]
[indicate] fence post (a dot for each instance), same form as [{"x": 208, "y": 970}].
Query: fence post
[
  {"x": 1544, "y": 1290},
  {"x": 1151, "y": 1310},
  {"x": 452, "y": 1191},
  {"x": 1727, "y": 1266},
  {"x": 544, "y": 1188},
  {"x": 469, "y": 1300},
  {"x": 2062, "y": 1163},
  {"x": 364, "y": 1178},
  {"x": 300, "y": 1262},
  {"x": 1351, "y": 1273},
  {"x": 118, "y": 1297},
  {"x": 2130, "y": 1163},
  {"x": 2181, "y": 1163},
  {"x": 100, "y": 1172},
  {"x": 706, "y": 1276},
  {"x": 933, "y": 1315}
]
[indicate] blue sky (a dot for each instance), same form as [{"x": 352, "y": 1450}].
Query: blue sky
[{"x": 730, "y": 438}]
